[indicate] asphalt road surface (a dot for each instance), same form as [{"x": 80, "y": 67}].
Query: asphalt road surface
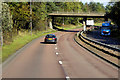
[
  {"x": 95, "y": 35},
  {"x": 39, "y": 60}
]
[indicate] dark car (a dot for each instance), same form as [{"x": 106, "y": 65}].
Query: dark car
[{"x": 50, "y": 38}]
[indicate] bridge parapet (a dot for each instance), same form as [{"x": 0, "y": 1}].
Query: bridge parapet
[{"x": 77, "y": 14}]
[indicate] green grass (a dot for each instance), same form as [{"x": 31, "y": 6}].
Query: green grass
[
  {"x": 68, "y": 27},
  {"x": 98, "y": 24},
  {"x": 19, "y": 42}
]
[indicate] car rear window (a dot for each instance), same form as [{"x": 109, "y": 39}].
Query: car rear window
[
  {"x": 105, "y": 28},
  {"x": 50, "y": 36}
]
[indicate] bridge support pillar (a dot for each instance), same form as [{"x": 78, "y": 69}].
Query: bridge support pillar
[
  {"x": 53, "y": 22},
  {"x": 84, "y": 23},
  {"x": 50, "y": 25},
  {"x": 63, "y": 20}
]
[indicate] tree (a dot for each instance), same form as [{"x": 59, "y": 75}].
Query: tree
[
  {"x": 77, "y": 7},
  {"x": 51, "y": 7},
  {"x": 115, "y": 13},
  {"x": 7, "y": 23},
  {"x": 96, "y": 7},
  {"x": 85, "y": 8},
  {"x": 100, "y": 7},
  {"x": 40, "y": 15},
  {"x": 21, "y": 15},
  {"x": 92, "y": 6}
]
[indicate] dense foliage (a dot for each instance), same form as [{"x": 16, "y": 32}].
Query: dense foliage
[{"x": 113, "y": 12}]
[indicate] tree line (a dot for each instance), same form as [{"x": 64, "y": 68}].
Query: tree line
[
  {"x": 16, "y": 15},
  {"x": 113, "y": 12}
]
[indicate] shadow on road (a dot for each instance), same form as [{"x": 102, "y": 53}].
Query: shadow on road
[
  {"x": 104, "y": 39},
  {"x": 47, "y": 43},
  {"x": 64, "y": 30}
]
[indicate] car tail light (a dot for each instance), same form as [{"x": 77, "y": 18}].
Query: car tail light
[
  {"x": 104, "y": 31},
  {"x": 54, "y": 38},
  {"x": 46, "y": 38}
]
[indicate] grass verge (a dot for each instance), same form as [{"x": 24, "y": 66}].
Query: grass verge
[
  {"x": 20, "y": 41},
  {"x": 68, "y": 27}
]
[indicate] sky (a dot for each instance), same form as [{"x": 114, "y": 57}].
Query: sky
[{"x": 105, "y": 2}]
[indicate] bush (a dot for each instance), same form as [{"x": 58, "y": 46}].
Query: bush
[{"x": 40, "y": 25}]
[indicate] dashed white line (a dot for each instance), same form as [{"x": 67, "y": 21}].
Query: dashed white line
[
  {"x": 56, "y": 48},
  {"x": 57, "y": 53},
  {"x": 60, "y": 62},
  {"x": 67, "y": 77}
]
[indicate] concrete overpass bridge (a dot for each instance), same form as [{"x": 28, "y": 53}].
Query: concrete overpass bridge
[
  {"x": 82, "y": 15},
  {"x": 74, "y": 14}
]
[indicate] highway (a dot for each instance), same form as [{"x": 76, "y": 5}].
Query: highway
[
  {"x": 95, "y": 35},
  {"x": 39, "y": 60}
]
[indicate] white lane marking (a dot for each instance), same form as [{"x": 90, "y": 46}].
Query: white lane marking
[
  {"x": 67, "y": 77},
  {"x": 57, "y": 53},
  {"x": 56, "y": 48},
  {"x": 60, "y": 62}
]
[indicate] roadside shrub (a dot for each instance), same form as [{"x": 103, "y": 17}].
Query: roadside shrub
[{"x": 40, "y": 25}]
